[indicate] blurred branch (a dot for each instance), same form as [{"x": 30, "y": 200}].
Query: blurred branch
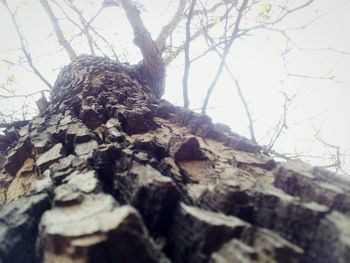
[
  {"x": 58, "y": 31},
  {"x": 88, "y": 25},
  {"x": 281, "y": 124},
  {"x": 152, "y": 63},
  {"x": 283, "y": 15},
  {"x": 169, "y": 28},
  {"x": 225, "y": 53},
  {"x": 213, "y": 46},
  {"x": 13, "y": 124},
  {"x": 245, "y": 105},
  {"x": 336, "y": 156},
  {"x": 7, "y": 61},
  {"x": 23, "y": 46},
  {"x": 23, "y": 95},
  {"x": 331, "y": 78},
  {"x": 172, "y": 55},
  {"x": 85, "y": 30},
  {"x": 187, "y": 56},
  {"x": 81, "y": 18}
]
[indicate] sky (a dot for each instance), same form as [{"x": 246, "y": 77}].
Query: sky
[{"x": 256, "y": 61}]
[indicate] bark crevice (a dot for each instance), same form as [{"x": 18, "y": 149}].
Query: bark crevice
[{"x": 110, "y": 173}]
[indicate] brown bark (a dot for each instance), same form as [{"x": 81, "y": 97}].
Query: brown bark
[
  {"x": 111, "y": 173},
  {"x": 152, "y": 64}
]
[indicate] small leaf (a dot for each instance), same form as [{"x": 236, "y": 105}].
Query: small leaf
[
  {"x": 265, "y": 9},
  {"x": 217, "y": 21},
  {"x": 11, "y": 78}
]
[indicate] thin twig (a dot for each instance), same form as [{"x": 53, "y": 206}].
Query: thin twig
[
  {"x": 22, "y": 95},
  {"x": 168, "y": 58},
  {"x": 81, "y": 18},
  {"x": 187, "y": 56},
  {"x": 282, "y": 123},
  {"x": 58, "y": 31},
  {"x": 169, "y": 28},
  {"x": 224, "y": 55},
  {"x": 23, "y": 47},
  {"x": 245, "y": 104},
  {"x": 331, "y": 78}
]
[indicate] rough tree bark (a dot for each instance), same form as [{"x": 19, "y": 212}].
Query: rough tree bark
[{"x": 111, "y": 173}]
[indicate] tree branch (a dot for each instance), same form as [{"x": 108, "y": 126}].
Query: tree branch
[
  {"x": 169, "y": 28},
  {"x": 187, "y": 56},
  {"x": 59, "y": 34},
  {"x": 22, "y": 95},
  {"x": 282, "y": 123},
  {"x": 280, "y": 18},
  {"x": 16, "y": 124},
  {"x": 245, "y": 104},
  {"x": 225, "y": 53},
  {"x": 170, "y": 57},
  {"x": 89, "y": 39},
  {"x": 152, "y": 64},
  {"x": 23, "y": 47},
  {"x": 330, "y": 78}
]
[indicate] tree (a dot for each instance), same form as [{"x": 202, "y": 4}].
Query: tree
[
  {"x": 110, "y": 172},
  {"x": 212, "y": 28}
]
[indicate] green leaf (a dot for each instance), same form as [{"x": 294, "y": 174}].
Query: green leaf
[
  {"x": 265, "y": 9},
  {"x": 11, "y": 78}
]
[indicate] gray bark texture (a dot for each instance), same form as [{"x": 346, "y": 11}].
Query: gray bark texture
[{"x": 111, "y": 173}]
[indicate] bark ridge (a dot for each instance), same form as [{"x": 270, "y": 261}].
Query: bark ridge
[{"x": 111, "y": 173}]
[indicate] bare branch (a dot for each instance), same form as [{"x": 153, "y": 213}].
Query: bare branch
[
  {"x": 22, "y": 95},
  {"x": 169, "y": 28},
  {"x": 23, "y": 47},
  {"x": 238, "y": 87},
  {"x": 225, "y": 53},
  {"x": 13, "y": 124},
  {"x": 282, "y": 123},
  {"x": 281, "y": 17},
  {"x": 336, "y": 157},
  {"x": 187, "y": 56},
  {"x": 59, "y": 34},
  {"x": 331, "y": 78},
  {"x": 7, "y": 61},
  {"x": 202, "y": 30},
  {"x": 88, "y": 24},
  {"x": 245, "y": 105},
  {"x": 85, "y": 30},
  {"x": 152, "y": 64},
  {"x": 82, "y": 20}
]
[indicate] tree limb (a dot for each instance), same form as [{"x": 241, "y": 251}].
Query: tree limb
[
  {"x": 169, "y": 28},
  {"x": 225, "y": 53},
  {"x": 187, "y": 56},
  {"x": 245, "y": 105},
  {"x": 22, "y": 95},
  {"x": 59, "y": 34},
  {"x": 152, "y": 64},
  {"x": 89, "y": 39},
  {"x": 16, "y": 124}
]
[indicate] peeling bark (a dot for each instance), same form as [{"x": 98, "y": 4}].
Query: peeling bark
[{"x": 111, "y": 173}]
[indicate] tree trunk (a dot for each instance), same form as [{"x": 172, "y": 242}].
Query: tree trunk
[{"x": 111, "y": 173}]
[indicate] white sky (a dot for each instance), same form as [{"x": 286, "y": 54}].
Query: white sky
[{"x": 256, "y": 61}]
